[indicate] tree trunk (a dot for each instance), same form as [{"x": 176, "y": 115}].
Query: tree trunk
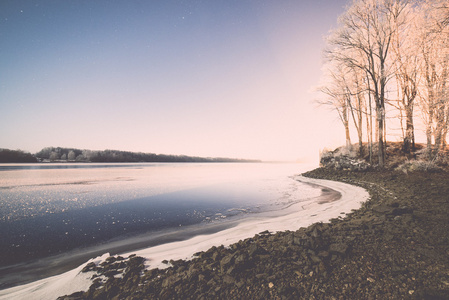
[
  {"x": 409, "y": 139},
  {"x": 347, "y": 134},
  {"x": 369, "y": 124},
  {"x": 369, "y": 134},
  {"x": 443, "y": 138},
  {"x": 380, "y": 125},
  {"x": 438, "y": 131}
]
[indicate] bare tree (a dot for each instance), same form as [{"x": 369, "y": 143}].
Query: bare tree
[
  {"x": 345, "y": 93},
  {"x": 367, "y": 29},
  {"x": 434, "y": 55},
  {"x": 337, "y": 97},
  {"x": 406, "y": 66},
  {"x": 355, "y": 89}
]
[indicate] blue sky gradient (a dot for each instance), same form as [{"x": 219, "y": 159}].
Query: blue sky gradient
[{"x": 207, "y": 78}]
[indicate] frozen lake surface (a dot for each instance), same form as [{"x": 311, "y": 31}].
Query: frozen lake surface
[
  {"x": 71, "y": 212},
  {"x": 233, "y": 201},
  {"x": 36, "y": 190}
]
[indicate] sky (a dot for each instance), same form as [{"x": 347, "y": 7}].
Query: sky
[{"x": 207, "y": 78}]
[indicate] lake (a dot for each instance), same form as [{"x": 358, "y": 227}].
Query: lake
[{"x": 55, "y": 216}]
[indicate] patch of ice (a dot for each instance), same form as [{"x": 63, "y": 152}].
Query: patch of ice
[
  {"x": 351, "y": 198},
  {"x": 55, "y": 286},
  {"x": 305, "y": 214}
]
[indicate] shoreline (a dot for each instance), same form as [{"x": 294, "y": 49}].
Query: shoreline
[
  {"x": 256, "y": 223},
  {"x": 40, "y": 268},
  {"x": 185, "y": 250},
  {"x": 202, "y": 199},
  {"x": 21, "y": 273},
  {"x": 396, "y": 246}
]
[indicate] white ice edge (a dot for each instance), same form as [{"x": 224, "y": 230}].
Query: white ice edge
[{"x": 72, "y": 281}]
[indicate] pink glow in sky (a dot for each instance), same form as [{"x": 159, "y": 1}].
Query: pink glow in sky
[{"x": 205, "y": 78}]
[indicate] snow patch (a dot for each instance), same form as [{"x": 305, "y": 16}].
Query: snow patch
[
  {"x": 55, "y": 286},
  {"x": 305, "y": 215}
]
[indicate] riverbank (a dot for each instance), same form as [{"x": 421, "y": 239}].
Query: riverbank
[{"x": 395, "y": 247}]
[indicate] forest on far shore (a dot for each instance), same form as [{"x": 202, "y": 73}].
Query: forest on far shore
[{"x": 59, "y": 154}]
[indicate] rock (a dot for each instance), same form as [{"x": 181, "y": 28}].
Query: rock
[
  {"x": 314, "y": 231},
  {"x": 298, "y": 240},
  {"x": 215, "y": 256},
  {"x": 231, "y": 270},
  {"x": 241, "y": 260},
  {"x": 74, "y": 296},
  {"x": 228, "y": 279},
  {"x": 338, "y": 248},
  {"x": 171, "y": 281},
  {"x": 226, "y": 261},
  {"x": 89, "y": 267},
  {"x": 323, "y": 254},
  {"x": 111, "y": 259},
  {"x": 401, "y": 211},
  {"x": 255, "y": 249},
  {"x": 192, "y": 271},
  {"x": 315, "y": 259},
  {"x": 343, "y": 162},
  {"x": 211, "y": 282},
  {"x": 198, "y": 254},
  {"x": 382, "y": 209},
  {"x": 111, "y": 273},
  {"x": 240, "y": 283}
]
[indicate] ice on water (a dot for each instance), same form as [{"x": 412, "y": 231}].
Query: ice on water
[{"x": 288, "y": 204}]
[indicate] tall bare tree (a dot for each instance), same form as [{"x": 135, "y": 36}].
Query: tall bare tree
[
  {"x": 367, "y": 29},
  {"x": 434, "y": 45},
  {"x": 354, "y": 87},
  {"x": 406, "y": 67},
  {"x": 337, "y": 96}
]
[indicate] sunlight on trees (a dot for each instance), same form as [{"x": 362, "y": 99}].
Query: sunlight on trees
[{"x": 388, "y": 59}]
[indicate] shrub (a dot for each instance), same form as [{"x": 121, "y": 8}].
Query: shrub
[{"x": 420, "y": 166}]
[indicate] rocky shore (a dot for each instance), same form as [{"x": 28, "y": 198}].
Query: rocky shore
[{"x": 395, "y": 247}]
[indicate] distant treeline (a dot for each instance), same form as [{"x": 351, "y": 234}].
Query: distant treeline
[
  {"x": 16, "y": 156},
  {"x": 58, "y": 154}
]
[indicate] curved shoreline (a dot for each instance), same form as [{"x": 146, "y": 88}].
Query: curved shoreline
[
  {"x": 394, "y": 247},
  {"x": 351, "y": 199}
]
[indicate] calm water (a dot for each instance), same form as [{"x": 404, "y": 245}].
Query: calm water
[{"x": 48, "y": 209}]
